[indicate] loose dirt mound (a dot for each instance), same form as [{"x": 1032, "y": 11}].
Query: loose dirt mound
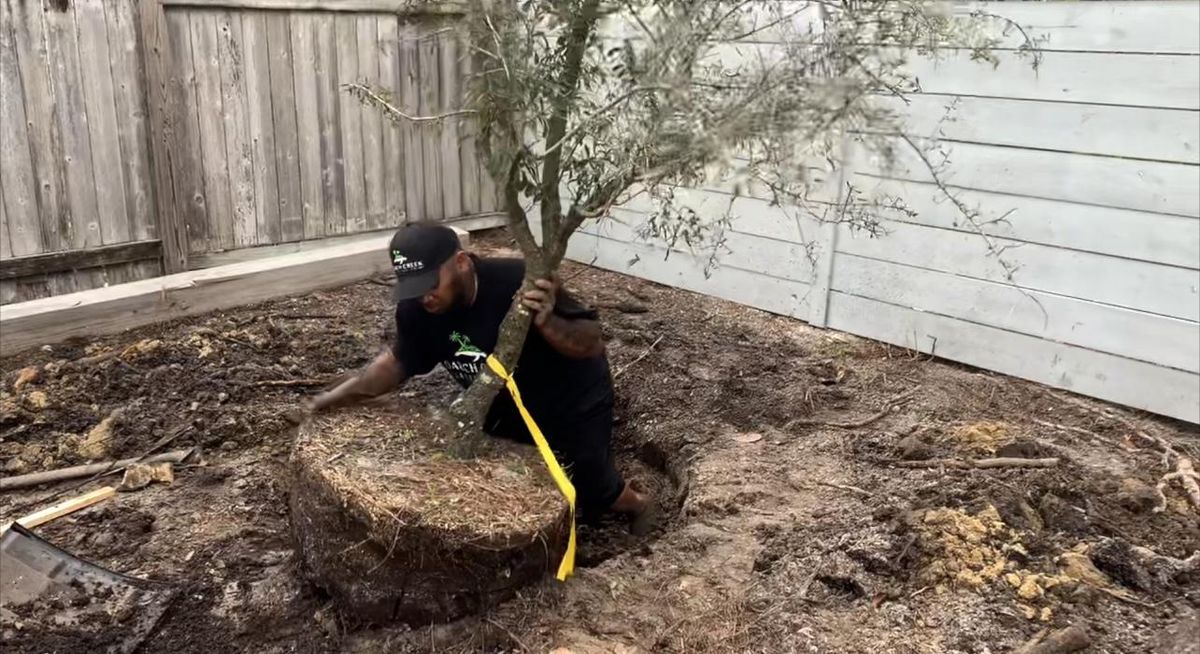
[{"x": 393, "y": 529}]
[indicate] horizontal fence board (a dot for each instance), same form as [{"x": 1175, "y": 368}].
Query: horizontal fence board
[
  {"x": 1154, "y": 288},
  {"x": 780, "y": 258},
  {"x": 746, "y": 214},
  {"x": 1123, "y": 183},
  {"x": 683, "y": 270},
  {"x": 1131, "y": 26},
  {"x": 1163, "y": 26},
  {"x": 1157, "y": 238},
  {"x": 105, "y": 255},
  {"x": 1129, "y": 79},
  {"x": 125, "y": 306},
  {"x": 1133, "y": 383},
  {"x": 401, "y": 7},
  {"x": 1139, "y": 132},
  {"x": 1146, "y": 337}
]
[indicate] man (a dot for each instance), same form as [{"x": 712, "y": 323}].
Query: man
[{"x": 449, "y": 306}]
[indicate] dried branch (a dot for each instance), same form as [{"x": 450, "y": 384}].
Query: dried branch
[
  {"x": 369, "y": 96},
  {"x": 1001, "y": 462}
]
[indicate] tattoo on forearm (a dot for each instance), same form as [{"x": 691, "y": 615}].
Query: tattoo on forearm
[{"x": 574, "y": 338}]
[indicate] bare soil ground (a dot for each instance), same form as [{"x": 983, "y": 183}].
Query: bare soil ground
[{"x": 785, "y": 533}]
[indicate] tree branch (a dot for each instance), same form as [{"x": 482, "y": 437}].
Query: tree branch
[{"x": 371, "y": 97}]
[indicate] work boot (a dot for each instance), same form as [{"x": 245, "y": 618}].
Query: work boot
[{"x": 641, "y": 509}]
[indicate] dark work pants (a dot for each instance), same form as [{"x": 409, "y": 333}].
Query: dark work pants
[{"x": 583, "y": 446}]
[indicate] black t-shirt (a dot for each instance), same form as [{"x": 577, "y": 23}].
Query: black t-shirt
[{"x": 554, "y": 387}]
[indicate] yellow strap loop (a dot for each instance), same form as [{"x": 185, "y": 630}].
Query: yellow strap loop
[{"x": 567, "y": 566}]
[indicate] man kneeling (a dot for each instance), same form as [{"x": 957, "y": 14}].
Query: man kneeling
[{"x": 449, "y": 306}]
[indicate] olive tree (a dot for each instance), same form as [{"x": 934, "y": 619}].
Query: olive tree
[{"x": 581, "y": 105}]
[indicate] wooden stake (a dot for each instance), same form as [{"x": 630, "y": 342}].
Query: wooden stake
[{"x": 62, "y": 508}]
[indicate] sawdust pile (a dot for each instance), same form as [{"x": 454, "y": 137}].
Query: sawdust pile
[
  {"x": 965, "y": 550},
  {"x": 981, "y": 437}
]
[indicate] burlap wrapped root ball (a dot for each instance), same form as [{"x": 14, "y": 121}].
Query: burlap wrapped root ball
[{"x": 396, "y": 530}]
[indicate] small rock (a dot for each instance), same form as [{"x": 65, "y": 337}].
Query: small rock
[
  {"x": 16, "y": 466},
  {"x": 1136, "y": 496},
  {"x": 26, "y": 376},
  {"x": 103, "y": 540},
  {"x": 139, "y": 475},
  {"x": 221, "y": 397},
  {"x": 1030, "y": 589},
  {"x": 37, "y": 400},
  {"x": 915, "y": 448},
  {"x": 229, "y": 446},
  {"x": 194, "y": 406},
  {"x": 98, "y": 442},
  {"x": 1060, "y": 515},
  {"x": 47, "y": 348}
]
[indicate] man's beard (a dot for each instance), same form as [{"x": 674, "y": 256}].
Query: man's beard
[{"x": 459, "y": 287}]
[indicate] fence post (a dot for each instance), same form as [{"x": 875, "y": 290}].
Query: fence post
[{"x": 171, "y": 228}]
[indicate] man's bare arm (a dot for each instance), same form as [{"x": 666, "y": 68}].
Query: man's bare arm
[
  {"x": 576, "y": 338},
  {"x": 380, "y": 376}
]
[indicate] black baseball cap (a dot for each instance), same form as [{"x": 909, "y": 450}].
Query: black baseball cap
[{"x": 417, "y": 251}]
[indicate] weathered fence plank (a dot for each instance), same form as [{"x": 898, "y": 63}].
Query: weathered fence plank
[
  {"x": 234, "y": 109},
  {"x": 262, "y": 131},
  {"x": 308, "y": 124},
  {"x": 184, "y": 152},
  {"x": 372, "y": 123},
  {"x": 351, "y": 124},
  {"x": 469, "y": 128},
  {"x": 332, "y": 166},
  {"x": 16, "y": 166},
  {"x": 67, "y": 84},
  {"x": 414, "y": 157},
  {"x": 131, "y": 86},
  {"x": 283, "y": 103},
  {"x": 393, "y": 145},
  {"x": 209, "y": 109},
  {"x": 427, "y": 103},
  {"x": 101, "y": 125},
  {"x": 449, "y": 100},
  {"x": 33, "y": 58}
]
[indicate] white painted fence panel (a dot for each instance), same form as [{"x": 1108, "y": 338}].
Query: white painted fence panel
[{"x": 1095, "y": 161}]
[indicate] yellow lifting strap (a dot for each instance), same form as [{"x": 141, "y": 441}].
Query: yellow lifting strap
[{"x": 567, "y": 566}]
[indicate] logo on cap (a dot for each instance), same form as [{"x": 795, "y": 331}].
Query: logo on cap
[{"x": 401, "y": 264}]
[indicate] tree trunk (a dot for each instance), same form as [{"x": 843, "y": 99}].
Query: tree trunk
[{"x": 472, "y": 406}]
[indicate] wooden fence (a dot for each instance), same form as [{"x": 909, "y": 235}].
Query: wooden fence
[
  {"x": 139, "y": 135},
  {"x": 1097, "y": 156}
]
